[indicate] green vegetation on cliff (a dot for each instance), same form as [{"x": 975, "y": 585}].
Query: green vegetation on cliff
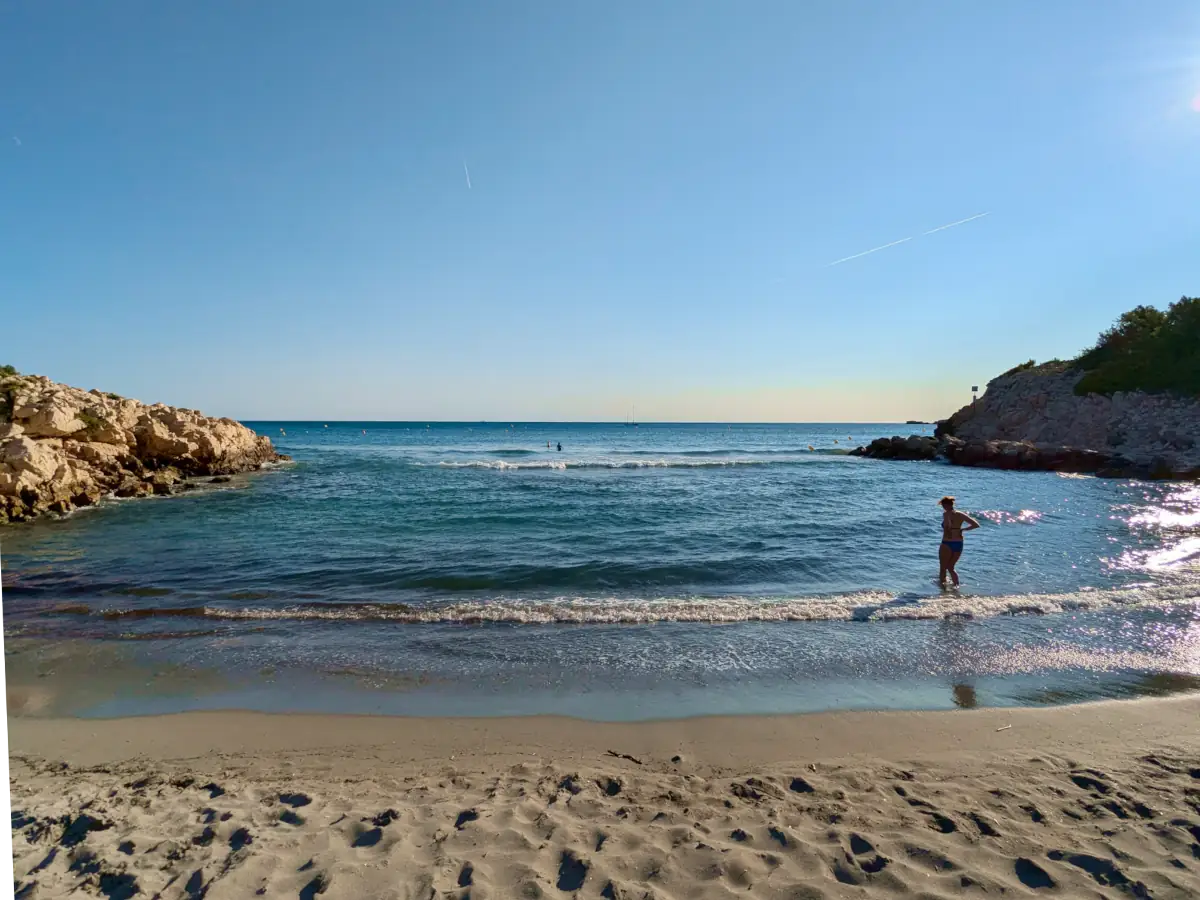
[{"x": 1146, "y": 350}]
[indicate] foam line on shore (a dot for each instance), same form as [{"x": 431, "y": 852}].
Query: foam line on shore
[{"x": 864, "y": 606}]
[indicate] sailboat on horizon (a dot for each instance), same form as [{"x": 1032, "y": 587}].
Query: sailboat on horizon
[{"x": 631, "y": 420}]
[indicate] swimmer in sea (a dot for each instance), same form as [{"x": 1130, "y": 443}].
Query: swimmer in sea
[{"x": 954, "y": 523}]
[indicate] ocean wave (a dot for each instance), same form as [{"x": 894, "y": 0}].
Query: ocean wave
[
  {"x": 864, "y": 606},
  {"x": 789, "y": 451},
  {"x": 662, "y": 462}
]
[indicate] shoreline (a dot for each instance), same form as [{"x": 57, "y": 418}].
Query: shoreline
[
  {"x": 1099, "y": 799},
  {"x": 756, "y": 740},
  {"x": 103, "y": 680}
]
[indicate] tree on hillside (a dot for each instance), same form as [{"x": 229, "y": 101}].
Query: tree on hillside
[{"x": 1146, "y": 350}]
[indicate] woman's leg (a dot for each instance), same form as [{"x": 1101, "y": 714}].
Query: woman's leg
[
  {"x": 954, "y": 555},
  {"x": 944, "y": 564}
]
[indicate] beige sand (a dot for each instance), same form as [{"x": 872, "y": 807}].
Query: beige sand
[{"x": 1100, "y": 800}]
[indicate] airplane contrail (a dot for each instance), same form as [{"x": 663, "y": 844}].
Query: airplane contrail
[
  {"x": 468, "y": 171},
  {"x": 959, "y": 222},
  {"x": 838, "y": 262}
]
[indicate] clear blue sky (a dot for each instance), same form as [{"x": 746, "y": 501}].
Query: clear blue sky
[{"x": 261, "y": 210}]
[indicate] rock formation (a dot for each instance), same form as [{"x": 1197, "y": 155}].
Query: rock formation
[
  {"x": 1033, "y": 419},
  {"x": 915, "y": 446},
  {"x": 62, "y": 447}
]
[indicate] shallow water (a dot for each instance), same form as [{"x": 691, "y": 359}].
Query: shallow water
[{"x": 640, "y": 572}]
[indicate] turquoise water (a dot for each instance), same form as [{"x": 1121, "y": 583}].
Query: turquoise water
[{"x": 640, "y": 572}]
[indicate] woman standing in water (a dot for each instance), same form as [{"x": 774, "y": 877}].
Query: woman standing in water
[{"x": 954, "y": 523}]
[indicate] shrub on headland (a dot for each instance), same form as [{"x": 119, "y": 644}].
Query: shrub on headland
[
  {"x": 1028, "y": 364},
  {"x": 6, "y": 397},
  {"x": 1146, "y": 350}
]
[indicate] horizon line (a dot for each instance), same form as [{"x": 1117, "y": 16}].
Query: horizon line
[{"x": 579, "y": 422}]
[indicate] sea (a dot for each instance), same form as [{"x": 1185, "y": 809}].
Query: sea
[{"x": 641, "y": 571}]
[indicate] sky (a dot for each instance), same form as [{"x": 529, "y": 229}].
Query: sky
[{"x": 567, "y": 211}]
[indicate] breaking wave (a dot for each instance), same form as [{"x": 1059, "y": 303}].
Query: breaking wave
[
  {"x": 864, "y": 606},
  {"x": 647, "y": 461}
]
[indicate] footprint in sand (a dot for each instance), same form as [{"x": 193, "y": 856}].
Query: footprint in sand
[
  {"x": 239, "y": 839},
  {"x": 1032, "y": 875},
  {"x": 368, "y": 838},
  {"x": 319, "y": 885},
  {"x": 572, "y": 872}
]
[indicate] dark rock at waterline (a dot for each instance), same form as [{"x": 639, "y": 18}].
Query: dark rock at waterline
[
  {"x": 1018, "y": 456},
  {"x": 1024, "y": 455},
  {"x": 913, "y": 447}
]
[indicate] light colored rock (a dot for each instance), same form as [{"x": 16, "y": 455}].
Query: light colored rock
[
  {"x": 101, "y": 454},
  {"x": 62, "y": 447},
  {"x": 24, "y": 454},
  {"x": 57, "y": 418}
]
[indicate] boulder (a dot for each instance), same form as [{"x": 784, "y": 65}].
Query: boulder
[
  {"x": 39, "y": 460},
  {"x": 1027, "y": 456},
  {"x": 914, "y": 446},
  {"x": 54, "y": 416},
  {"x": 164, "y": 480}
]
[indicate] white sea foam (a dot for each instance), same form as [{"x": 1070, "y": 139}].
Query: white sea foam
[
  {"x": 663, "y": 463},
  {"x": 864, "y": 606}
]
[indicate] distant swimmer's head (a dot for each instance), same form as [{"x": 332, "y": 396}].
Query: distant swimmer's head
[{"x": 947, "y": 503}]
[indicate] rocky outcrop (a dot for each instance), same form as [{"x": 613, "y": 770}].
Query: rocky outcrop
[
  {"x": 1037, "y": 408},
  {"x": 914, "y": 446},
  {"x": 1023, "y": 455},
  {"x": 1032, "y": 419},
  {"x": 62, "y": 447}
]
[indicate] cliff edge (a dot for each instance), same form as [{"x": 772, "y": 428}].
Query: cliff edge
[
  {"x": 62, "y": 447},
  {"x": 1128, "y": 406},
  {"x": 1040, "y": 407}
]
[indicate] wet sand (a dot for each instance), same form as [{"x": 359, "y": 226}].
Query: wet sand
[{"x": 1091, "y": 800}]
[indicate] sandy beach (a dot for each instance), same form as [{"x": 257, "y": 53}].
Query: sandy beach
[{"x": 1096, "y": 800}]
